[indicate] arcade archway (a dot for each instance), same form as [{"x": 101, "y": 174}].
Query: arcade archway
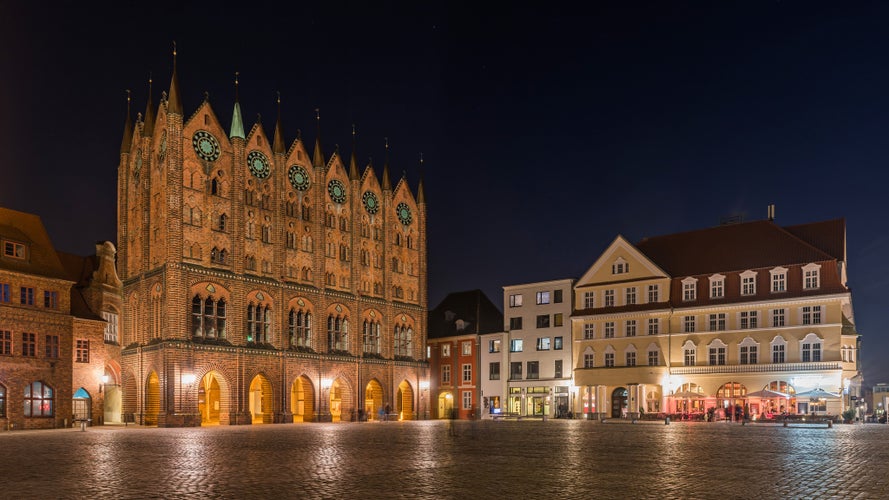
[
  {"x": 404, "y": 401},
  {"x": 152, "y": 399},
  {"x": 260, "y": 400},
  {"x": 302, "y": 400},
  {"x": 373, "y": 399}
]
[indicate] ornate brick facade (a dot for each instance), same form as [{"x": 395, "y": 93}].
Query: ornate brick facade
[{"x": 262, "y": 285}]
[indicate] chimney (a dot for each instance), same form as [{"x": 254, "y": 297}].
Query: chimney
[{"x": 772, "y": 212}]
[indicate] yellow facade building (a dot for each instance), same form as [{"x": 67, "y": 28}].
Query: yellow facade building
[{"x": 740, "y": 320}]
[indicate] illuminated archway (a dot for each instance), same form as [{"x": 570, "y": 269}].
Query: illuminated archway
[
  {"x": 340, "y": 400},
  {"x": 260, "y": 400},
  {"x": 152, "y": 399},
  {"x": 404, "y": 401},
  {"x": 445, "y": 404},
  {"x": 210, "y": 399},
  {"x": 302, "y": 399},
  {"x": 373, "y": 399}
]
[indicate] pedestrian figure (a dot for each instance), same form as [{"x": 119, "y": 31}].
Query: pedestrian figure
[
  {"x": 388, "y": 411},
  {"x": 452, "y": 429},
  {"x": 380, "y": 414}
]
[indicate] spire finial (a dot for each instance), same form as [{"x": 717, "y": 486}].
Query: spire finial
[
  {"x": 174, "y": 51},
  {"x": 128, "y": 98},
  {"x": 421, "y": 159},
  {"x": 237, "y": 73},
  {"x": 279, "y": 100},
  {"x": 206, "y": 96}
]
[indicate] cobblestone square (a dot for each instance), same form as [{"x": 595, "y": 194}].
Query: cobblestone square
[{"x": 509, "y": 459}]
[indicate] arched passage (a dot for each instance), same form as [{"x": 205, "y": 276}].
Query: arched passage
[
  {"x": 373, "y": 399},
  {"x": 340, "y": 400},
  {"x": 213, "y": 398},
  {"x": 260, "y": 399},
  {"x": 404, "y": 401},
  {"x": 302, "y": 399},
  {"x": 152, "y": 399},
  {"x": 113, "y": 400}
]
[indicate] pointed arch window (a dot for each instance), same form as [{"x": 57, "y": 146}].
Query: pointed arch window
[
  {"x": 403, "y": 340},
  {"x": 337, "y": 333},
  {"x": 207, "y": 317},
  {"x": 372, "y": 337},
  {"x": 300, "y": 328},
  {"x": 259, "y": 323}
]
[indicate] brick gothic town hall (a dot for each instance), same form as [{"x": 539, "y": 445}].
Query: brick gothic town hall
[{"x": 261, "y": 283}]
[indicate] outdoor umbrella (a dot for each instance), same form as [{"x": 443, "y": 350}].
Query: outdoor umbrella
[
  {"x": 818, "y": 394},
  {"x": 767, "y": 394}
]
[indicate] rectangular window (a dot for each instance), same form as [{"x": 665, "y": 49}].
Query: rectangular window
[
  {"x": 4, "y": 292},
  {"x": 557, "y": 319},
  {"x": 446, "y": 350},
  {"x": 446, "y": 374},
  {"x": 807, "y": 353},
  {"x": 816, "y": 351},
  {"x": 690, "y": 357},
  {"x": 515, "y": 323},
  {"x": 688, "y": 324},
  {"x": 778, "y": 317},
  {"x": 467, "y": 348},
  {"x": 543, "y": 321},
  {"x": 533, "y": 370},
  {"x": 50, "y": 299},
  {"x": 27, "y": 296},
  {"x": 111, "y": 320},
  {"x": 688, "y": 292},
  {"x": 609, "y": 359},
  {"x": 589, "y": 300},
  {"x": 467, "y": 400},
  {"x": 717, "y": 322},
  {"x": 631, "y": 295},
  {"x": 82, "y": 352},
  {"x": 717, "y": 355},
  {"x": 716, "y": 289},
  {"x": 494, "y": 371},
  {"x": 494, "y": 345},
  {"x": 778, "y": 353},
  {"x": 557, "y": 369},
  {"x": 589, "y": 331},
  {"x": 5, "y": 342},
  {"x": 557, "y": 296},
  {"x": 609, "y": 298},
  {"x": 653, "y": 294},
  {"x": 779, "y": 282},
  {"x": 467, "y": 373},
  {"x": 543, "y": 344},
  {"x": 631, "y": 328},
  {"x": 609, "y": 329},
  {"x": 811, "y": 315},
  {"x": 52, "y": 346},
  {"x": 653, "y": 358},
  {"x": 653, "y": 326},
  {"x": 515, "y": 300},
  {"x": 748, "y": 319},
  {"x": 542, "y": 298},
  {"x": 631, "y": 358},
  {"x": 811, "y": 278},
  {"x": 29, "y": 344},
  {"x": 748, "y": 355},
  {"x": 588, "y": 360},
  {"x": 748, "y": 285},
  {"x": 13, "y": 249},
  {"x": 515, "y": 345},
  {"x": 557, "y": 343},
  {"x": 515, "y": 370}
]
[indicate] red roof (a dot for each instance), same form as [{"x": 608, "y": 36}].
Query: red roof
[{"x": 750, "y": 245}]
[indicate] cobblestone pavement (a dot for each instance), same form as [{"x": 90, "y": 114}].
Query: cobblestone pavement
[{"x": 509, "y": 459}]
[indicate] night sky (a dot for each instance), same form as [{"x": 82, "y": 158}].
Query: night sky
[{"x": 545, "y": 134}]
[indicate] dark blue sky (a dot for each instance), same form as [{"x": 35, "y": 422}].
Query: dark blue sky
[{"x": 545, "y": 133}]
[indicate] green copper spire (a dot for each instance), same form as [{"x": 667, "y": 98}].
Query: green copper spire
[{"x": 237, "y": 123}]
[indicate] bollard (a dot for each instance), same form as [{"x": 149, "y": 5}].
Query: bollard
[
  {"x": 830, "y": 424},
  {"x": 667, "y": 421},
  {"x": 83, "y": 425}
]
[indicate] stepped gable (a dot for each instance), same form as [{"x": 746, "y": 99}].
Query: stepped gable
[
  {"x": 733, "y": 247},
  {"x": 478, "y": 313}
]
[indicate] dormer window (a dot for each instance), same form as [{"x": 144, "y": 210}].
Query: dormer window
[
  {"x": 689, "y": 289},
  {"x": 620, "y": 266},
  {"x": 13, "y": 249},
  {"x": 779, "y": 279},
  {"x": 811, "y": 276},
  {"x": 748, "y": 283},
  {"x": 717, "y": 286}
]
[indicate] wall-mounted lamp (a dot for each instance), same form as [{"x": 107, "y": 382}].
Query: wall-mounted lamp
[
  {"x": 326, "y": 383},
  {"x": 424, "y": 385},
  {"x": 104, "y": 381},
  {"x": 188, "y": 378}
]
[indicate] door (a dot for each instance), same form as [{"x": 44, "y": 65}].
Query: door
[{"x": 619, "y": 402}]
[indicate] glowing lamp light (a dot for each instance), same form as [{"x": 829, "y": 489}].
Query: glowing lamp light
[
  {"x": 104, "y": 379},
  {"x": 326, "y": 383},
  {"x": 188, "y": 378},
  {"x": 424, "y": 385}
]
